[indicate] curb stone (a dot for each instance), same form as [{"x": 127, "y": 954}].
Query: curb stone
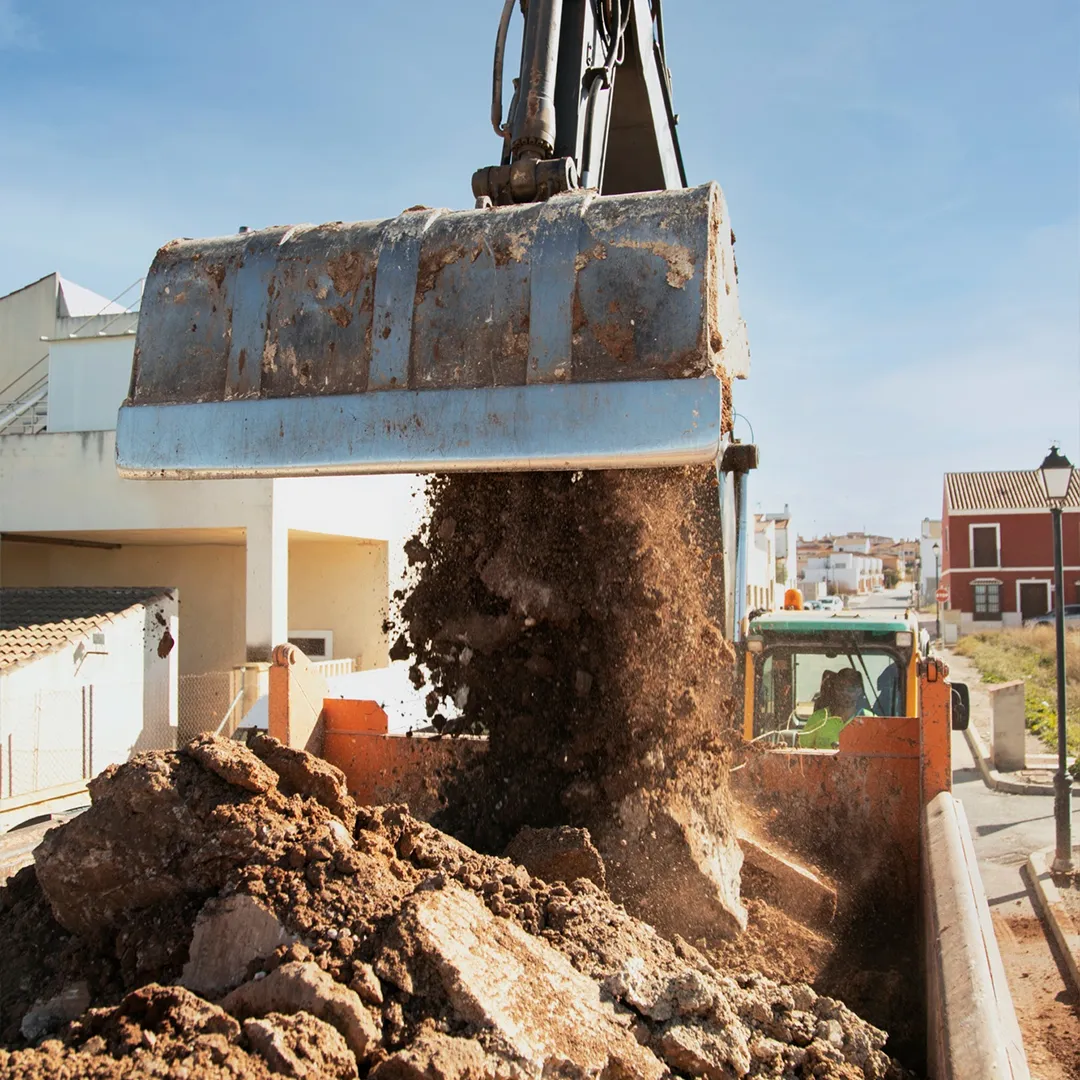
[
  {"x": 1053, "y": 909},
  {"x": 998, "y": 781}
]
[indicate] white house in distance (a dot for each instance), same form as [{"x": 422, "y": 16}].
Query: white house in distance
[
  {"x": 771, "y": 567},
  {"x": 847, "y": 568},
  {"x": 254, "y": 562}
]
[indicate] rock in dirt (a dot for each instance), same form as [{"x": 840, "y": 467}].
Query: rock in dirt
[
  {"x": 300, "y": 773},
  {"x": 435, "y": 1056},
  {"x": 305, "y": 987},
  {"x": 229, "y": 760},
  {"x": 141, "y": 843},
  {"x": 560, "y": 854},
  {"x": 230, "y": 933},
  {"x": 527, "y": 1000},
  {"x": 301, "y": 1046},
  {"x": 69, "y": 1004}
]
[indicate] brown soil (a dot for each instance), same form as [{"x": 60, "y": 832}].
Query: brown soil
[
  {"x": 1047, "y": 1005},
  {"x": 380, "y": 978}
]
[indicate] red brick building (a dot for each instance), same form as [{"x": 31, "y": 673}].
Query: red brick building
[{"x": 997, "y": 554}]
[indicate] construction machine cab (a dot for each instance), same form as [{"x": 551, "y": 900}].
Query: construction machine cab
[{"x": 807, "y": 674}]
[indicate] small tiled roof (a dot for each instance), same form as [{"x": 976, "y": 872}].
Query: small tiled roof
[
  {"x": 1002, "y": 491},
  {"x": 38, "y": 621}
]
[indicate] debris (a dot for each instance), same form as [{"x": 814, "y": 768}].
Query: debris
[
  {"x": 305, "y": 987},
  {"x": 602, "y": 687},
  {"x": 560, "y": 854},
  {"x": 425, "y": 958}
]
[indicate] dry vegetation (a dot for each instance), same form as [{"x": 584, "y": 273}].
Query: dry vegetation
[{"x": 1029, "y": 654}]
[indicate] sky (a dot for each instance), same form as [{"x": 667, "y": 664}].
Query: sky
[{"x": 902, "y": 176}]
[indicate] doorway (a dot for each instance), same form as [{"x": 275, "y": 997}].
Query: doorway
[{"x": 1034, "y": 597}]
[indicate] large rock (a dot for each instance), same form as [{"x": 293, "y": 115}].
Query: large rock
[
  {"x": 229, "y": 934},
  {"x": 232, "y": 762},
  {"x": 301, "y": 1046},
  {"x": 675, "y": 865},
  {"x": 527, "y": 1000},
  {"x": 47, "y": 1016},
  {"x": 301, "y": 773},
  {"x": 162, "y": 826},
  {"x": 559, "y": 854},
  {"x": 305, "y": 987}
]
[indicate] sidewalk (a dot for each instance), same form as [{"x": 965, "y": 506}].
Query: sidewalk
[
  {"x": 1035, "y": 918},
  {"x": 1038, "y": 777},
  {"x": 1006, "y": 829}
]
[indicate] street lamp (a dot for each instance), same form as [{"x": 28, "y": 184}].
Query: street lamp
[
  {"x": 1056, "y": 472},
  {"x": 937, "y": 589}
]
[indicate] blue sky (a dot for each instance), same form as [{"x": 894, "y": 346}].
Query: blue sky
[{"x": 902, "y": 176}]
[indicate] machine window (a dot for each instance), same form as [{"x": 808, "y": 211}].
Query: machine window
[{"x": 805, "y": 698}]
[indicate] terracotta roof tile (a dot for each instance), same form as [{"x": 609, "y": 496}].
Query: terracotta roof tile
[
  {"x": 34, "y": 622},
  {"x": 1002, "y": 491}
]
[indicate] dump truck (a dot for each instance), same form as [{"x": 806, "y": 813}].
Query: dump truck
[{"x": 582, "y": 315}]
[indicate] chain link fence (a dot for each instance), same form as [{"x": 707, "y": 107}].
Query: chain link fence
[
  {"x": 213, "y": 701},
  {"x": 52, "y": 745}
]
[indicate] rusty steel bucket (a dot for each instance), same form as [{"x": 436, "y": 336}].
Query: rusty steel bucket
[{"x": 583, "y": 332}]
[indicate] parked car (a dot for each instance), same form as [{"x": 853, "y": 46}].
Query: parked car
[
  {"x": 1072, "y": 618},
  {"x": 812, "y": 605},
  {"x": 831, "y": 603}
]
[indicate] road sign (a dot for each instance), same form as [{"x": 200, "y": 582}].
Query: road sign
[{"x": 942, "y": 596}]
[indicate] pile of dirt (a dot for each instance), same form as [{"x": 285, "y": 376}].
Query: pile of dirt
[
  {"x": 575, "y": 619},
  {"x": 225, "y": 911}
]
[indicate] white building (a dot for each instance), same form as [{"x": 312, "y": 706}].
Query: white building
[
  {"x": 929, "y": 535},
  {"x": 254, "y": 562},
  {"x": 845, "y": 571},
  {"x": 770, "y": 570},
  {"x": 87, "y": 677}
]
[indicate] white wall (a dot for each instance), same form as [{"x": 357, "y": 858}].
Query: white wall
[
  {"x": 56, "y": 731},
  {"x": 930, "y": 535},
  {"x": 67, "y": 481},
  {"x": 25, "y": 317},
  {"x": 88, "y": 380}
]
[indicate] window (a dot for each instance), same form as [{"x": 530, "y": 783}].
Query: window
[
  {"x": 314, "y": 644},
  {"x": 987, "y": 600},
  {"x": 790, "y": 684},
  {"x": 984, "y": 545}
]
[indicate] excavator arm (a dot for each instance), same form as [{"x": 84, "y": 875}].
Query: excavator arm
[{"x": 592, "y": 106}]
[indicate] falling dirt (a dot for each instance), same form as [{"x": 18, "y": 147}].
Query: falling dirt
[
  {"x": 396, "y": 952},
  {"x": 573, "y": 617}
]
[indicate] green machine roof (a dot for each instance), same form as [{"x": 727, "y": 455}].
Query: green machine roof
[{"x": 816, "y": 622}]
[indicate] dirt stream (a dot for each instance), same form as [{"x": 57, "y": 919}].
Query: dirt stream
[{"x": 229, "y": 911}]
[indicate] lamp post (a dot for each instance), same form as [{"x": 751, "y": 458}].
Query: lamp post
[
  {"x": 937, "y": 586},
  {"x": 1056, "y": 473}
]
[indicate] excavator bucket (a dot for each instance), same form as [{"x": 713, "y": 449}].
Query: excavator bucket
[{"x": 582, "y": 332}]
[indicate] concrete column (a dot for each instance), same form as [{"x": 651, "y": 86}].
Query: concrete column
[
  {"x": 1007, "y": 735},
  {"x": 267, "y": 600}
]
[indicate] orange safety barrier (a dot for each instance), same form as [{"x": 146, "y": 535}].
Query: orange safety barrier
[{"x": 383, "y": 768}]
